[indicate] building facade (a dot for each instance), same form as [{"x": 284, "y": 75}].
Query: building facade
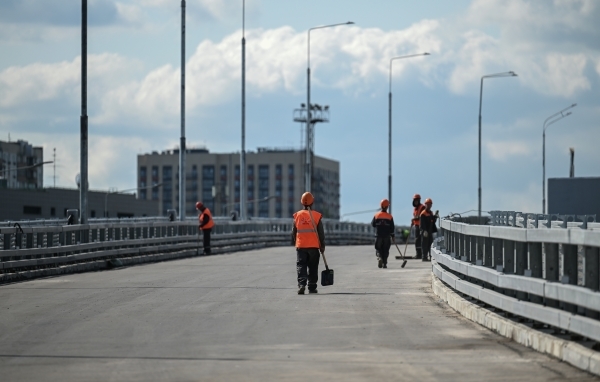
[
  {"x": 53, "y": 203},
  {"x": 574, "y": 196},
  {"x": 274, "y": 181},
  {"x": 17, "y": 161}
]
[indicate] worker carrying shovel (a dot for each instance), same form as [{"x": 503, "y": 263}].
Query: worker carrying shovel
[
  {"x": 427, "y": 226},
  {"x": 308, "y": 244},
  {"x": 385, "y": 230}
]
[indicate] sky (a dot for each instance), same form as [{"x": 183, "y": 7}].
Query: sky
[{"x": 133, "y": 90}]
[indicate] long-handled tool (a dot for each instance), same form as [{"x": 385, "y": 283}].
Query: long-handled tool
[
  {"x": 327, "y": 274},
  {"x": 198, "y": 242},
  {"x": 404, "y": 260},
  {"x": 406, "y": 245}
]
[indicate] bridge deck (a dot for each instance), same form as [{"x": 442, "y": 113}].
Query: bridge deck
[{"x": 238, "y": 316}]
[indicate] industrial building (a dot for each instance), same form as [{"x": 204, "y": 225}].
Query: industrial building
[
  {"x": 574, "y": 196},
  {"x": 53, "y": 203},
  {"x": 275, "y": 181}
]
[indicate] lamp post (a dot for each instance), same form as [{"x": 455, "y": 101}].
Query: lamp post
[
  {"x": 83, "y": 120},
  {"x": 243, "y": 152},
  {"x": 122, "y": 191},
  {"x": 309, "y": 134},
  {"x": 549, "y": 121},
  {"x": 497, "y": 75},
  {"x": 390, "y": 126},
  {"x": 182, "y": 112}
]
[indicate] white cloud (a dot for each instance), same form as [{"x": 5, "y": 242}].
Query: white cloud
[
  {"x": 504, "y": 150},
  {"x": 43, "y": 82}
]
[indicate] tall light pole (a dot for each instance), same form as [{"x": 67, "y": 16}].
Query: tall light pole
[
  {"x": 182, "y": 140},
  {"x": 83, "y": 120},
  {"x": 549, "y": 121},
  {"x": 243, "y": 152},
  {"x": 309, "y": 134},
  {"x": 505, "y": 74},
  {"x": 390, "y": 126}
]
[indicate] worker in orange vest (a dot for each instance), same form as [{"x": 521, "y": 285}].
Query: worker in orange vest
[
  {"x": 205, "y": 224},
  {"x": 418, "y": 208},
  {"x": 309, "y": 238},
  {"x": 384, "y": 223},
  {"x": 427, "y": 226}
]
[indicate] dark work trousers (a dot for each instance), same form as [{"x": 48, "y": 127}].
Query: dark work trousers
[
  {"x": 308, "y": 259},
  {"x": 382, "y": 246},
  {"x": 206, "y": 233},
  {"x": 418, "y": 242},
  {"x": 426, "y": 244}
]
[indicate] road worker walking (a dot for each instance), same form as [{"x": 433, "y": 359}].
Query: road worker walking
[
  {"x": 384, "y": 223},
  {"x": 428, "y": 228},
  {"x": 309, "y": 238},
  {"x": 205, "y": 224},
  {"x": 418, "y": 208}
]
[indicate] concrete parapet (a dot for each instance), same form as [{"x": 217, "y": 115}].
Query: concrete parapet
[{"x": 567, "y": 351}]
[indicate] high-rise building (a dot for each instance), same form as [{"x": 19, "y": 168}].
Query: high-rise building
[
  {"x": 275, "y": 182},
  {"x": 18, "y": 162}
]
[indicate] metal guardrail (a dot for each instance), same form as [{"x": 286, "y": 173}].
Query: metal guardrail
[
  {"x": 31, "y": 250},
  {"x": 533, "y": 220},
  {"x": 544, "y": 274}
]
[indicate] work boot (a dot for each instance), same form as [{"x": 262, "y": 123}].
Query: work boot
[
  {"x": 313, "y": 291},
  {"x": 301, "y": 289},
  {"x": 379, "y": 263},
  {"x": 419, "y": 254},
  {"x": 385, "y": 265}
]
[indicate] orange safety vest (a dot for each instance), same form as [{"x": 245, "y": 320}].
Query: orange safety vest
[
  {"x": 383, "y": 215},
  {"x": 211, "y": 222},
  {"x": 307, "y": 236},
  {"x": 417, "y": 213}
]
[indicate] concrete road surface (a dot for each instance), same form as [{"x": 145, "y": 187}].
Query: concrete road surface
[{"x": 238, "y": 317}]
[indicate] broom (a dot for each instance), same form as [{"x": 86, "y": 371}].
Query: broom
[{"x": 404, "y": 260}]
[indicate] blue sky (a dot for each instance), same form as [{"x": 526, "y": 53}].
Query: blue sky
[{"x": 553, "y": 46}]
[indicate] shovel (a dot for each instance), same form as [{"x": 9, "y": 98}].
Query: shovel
[
  {"x": 404, "y": 260},
  {"x": 327, "y": 274}
]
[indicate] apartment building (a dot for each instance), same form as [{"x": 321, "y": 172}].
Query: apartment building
[
  {"x": 21, "y": 165},
  {"x": 274, "y": 181}
]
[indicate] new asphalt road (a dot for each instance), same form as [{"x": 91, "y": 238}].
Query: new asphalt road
[{"x": 238, "y": 317}]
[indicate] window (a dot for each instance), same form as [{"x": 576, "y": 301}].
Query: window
[
  {"x": 278, "y": 190},
  {"x": 167, "y": 197},
  {"x": 291, "y": 204},
  {"x": 32, "y": 210},
  {"x": 208, "y": 181},
  {"x": 53, "y": 211},
  {"x": 263, "y": 190}
]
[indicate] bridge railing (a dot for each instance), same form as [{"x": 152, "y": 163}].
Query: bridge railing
[
  {"x": 29, "y": 251},
  {"x": 550, "y": 275}
]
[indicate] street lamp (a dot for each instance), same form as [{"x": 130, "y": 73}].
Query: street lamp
[
  {"x": 243, "y": 152},
  {"x": 309, "y": 143},
  {"x": 505, "y": 74},
  {"x": 9, "y": 170},
  {"x": 122, "y": 191},
  {"x": 549, "y": 121},
  {"x": 390, "y": 126},
  {"x": 25, "y": 167}
]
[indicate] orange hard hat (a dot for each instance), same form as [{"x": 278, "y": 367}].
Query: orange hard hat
[
  {"x": 307, "y": 199},
  {"x": 199, "y": 205},
  {"x": 417, "y": 196},
  {"x": 428, "y": 201},
  {"x": 384, "y": 203}
]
